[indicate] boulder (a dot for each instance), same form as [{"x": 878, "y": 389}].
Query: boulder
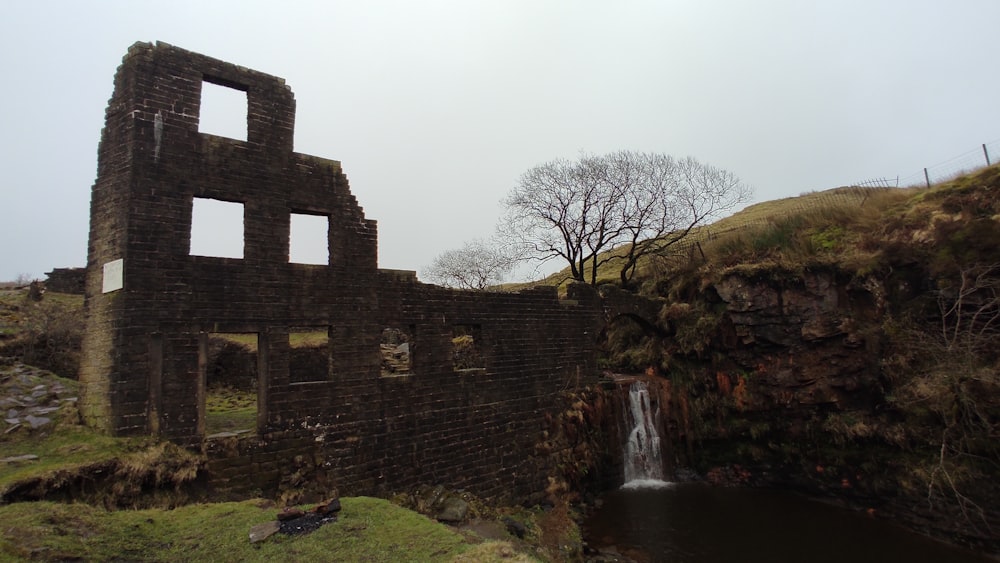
[
  {"x": 453, "y": 509},
  {"x": 290, "y": 513},
  {"x": 514, "y": 527},
  {"x": 261, "y": 532},
  {"x": 331, "y": 506}
]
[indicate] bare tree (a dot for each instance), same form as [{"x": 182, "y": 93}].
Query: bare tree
[
  {"x": 559, "y": 210},
  {"x": 952, "y": 373},
  {"x": 635, "y": 203},
  {"x": 477, "y": 265},
  {"x": 671, "y": 198}
]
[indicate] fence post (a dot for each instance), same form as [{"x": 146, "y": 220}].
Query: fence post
[
  {"x": 986, "y": 153},
  {"x": 927, "y": 178}
]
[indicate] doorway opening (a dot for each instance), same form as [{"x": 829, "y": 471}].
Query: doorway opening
[{"x": 232, "y": 365}]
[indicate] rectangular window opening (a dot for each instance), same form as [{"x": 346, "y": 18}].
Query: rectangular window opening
[
  {"x": 216, "y": 228},
  {"x": 396, "y": 347},
  {"x": 231, "y": 381},
  {"x": 309, "y": 239},
  {"x": 466, "y": 347},
  {"x": 223, "y": 110},
  {"x": 309, "y": 354}
]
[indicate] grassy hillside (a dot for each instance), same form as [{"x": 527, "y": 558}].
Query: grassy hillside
[
  {"x": 858, "y": 231},
  {"x": 854, "y": 227},
  {"x": 753, "y": 224},
  {"x": 367, "y": 529}
]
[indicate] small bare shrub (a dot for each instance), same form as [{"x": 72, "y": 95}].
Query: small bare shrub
[
  {"x": 22, "y": 280},
  {"x": 50, "y": 338},
  {"x": 948, "y": 383}
]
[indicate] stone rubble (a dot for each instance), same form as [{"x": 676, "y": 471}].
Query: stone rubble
[
  {"x": 29, "y": 395},
  {"x": 441, "y": 504},
  {"x": 19, "y": 458}
]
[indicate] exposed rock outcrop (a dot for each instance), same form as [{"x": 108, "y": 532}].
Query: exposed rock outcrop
[{"x": 794, "y": 381}]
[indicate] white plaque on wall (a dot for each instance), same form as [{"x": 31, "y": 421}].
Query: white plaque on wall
[{"x": 114, "y": 275}]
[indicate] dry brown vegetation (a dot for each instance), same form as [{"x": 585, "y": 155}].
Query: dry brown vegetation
[
  {"x": 858, "y": 230},
  {"x": 45, "y": 333}
]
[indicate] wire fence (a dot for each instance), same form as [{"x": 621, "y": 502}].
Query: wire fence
[
  {"x": 878, "y": 183},
  {"x": 985, "y": 155},
  {"x": 856, "y": 194}
]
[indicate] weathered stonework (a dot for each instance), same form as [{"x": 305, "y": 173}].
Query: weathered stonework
[
  {"x": 66, "y": 280},
  {"x": 143, "y": 367}
]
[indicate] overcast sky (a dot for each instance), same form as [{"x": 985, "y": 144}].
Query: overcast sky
[{"x": 436, "y": 108}]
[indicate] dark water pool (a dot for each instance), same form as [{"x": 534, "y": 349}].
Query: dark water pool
[{"x": 695, "y": 523}]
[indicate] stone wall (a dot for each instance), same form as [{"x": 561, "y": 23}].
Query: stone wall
[
  {"x": 66, "y": 280},
  {"x": 151, "y": 306}
]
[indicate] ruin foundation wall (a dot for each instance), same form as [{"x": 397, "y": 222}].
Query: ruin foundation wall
[{"x": 152, "y": 305}]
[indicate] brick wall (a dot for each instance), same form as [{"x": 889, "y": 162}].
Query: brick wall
[{"x": 348, "y": 425}]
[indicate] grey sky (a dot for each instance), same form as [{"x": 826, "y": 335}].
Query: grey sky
[{"x": 436, "y": 108}]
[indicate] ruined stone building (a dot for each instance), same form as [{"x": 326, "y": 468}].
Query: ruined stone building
[{"x": 348, "y": 420}]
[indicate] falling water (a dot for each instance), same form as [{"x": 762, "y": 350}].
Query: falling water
[
  {"x": 643, "y": 457},
  {"x": 652, "y": 520}
]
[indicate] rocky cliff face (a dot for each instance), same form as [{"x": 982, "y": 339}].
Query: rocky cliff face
[
  {"x": 799, "y": 382},
  {"x": 800, "y": 344}
]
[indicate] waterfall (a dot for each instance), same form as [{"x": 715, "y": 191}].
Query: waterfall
[{"x": 643, "y": 455}]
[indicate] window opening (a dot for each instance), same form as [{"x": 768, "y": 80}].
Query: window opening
[
  {"x": 216, "y": 228},
  {"x": 397, "y": 351},
  {"x": 309, "y": 239},
  {"x": 223, "y": 111},
  {"x": 309, "y": 349},
  {"x": 466, "y": 347},
  {"x": 231, "y": 376}
]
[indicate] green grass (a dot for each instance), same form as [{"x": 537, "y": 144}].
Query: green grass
[
  {"x": 61, "y": 445},
  {"x": 71, "y": 447},
  {"x": 368, "y": 529},
  {"x": 14, "y": 304},
  {"x": 246, "y": 339},
  {"x": 307, "y": 338},
  {"x": 227, "y": 410},
  {"x": 296, "y": 338}
]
